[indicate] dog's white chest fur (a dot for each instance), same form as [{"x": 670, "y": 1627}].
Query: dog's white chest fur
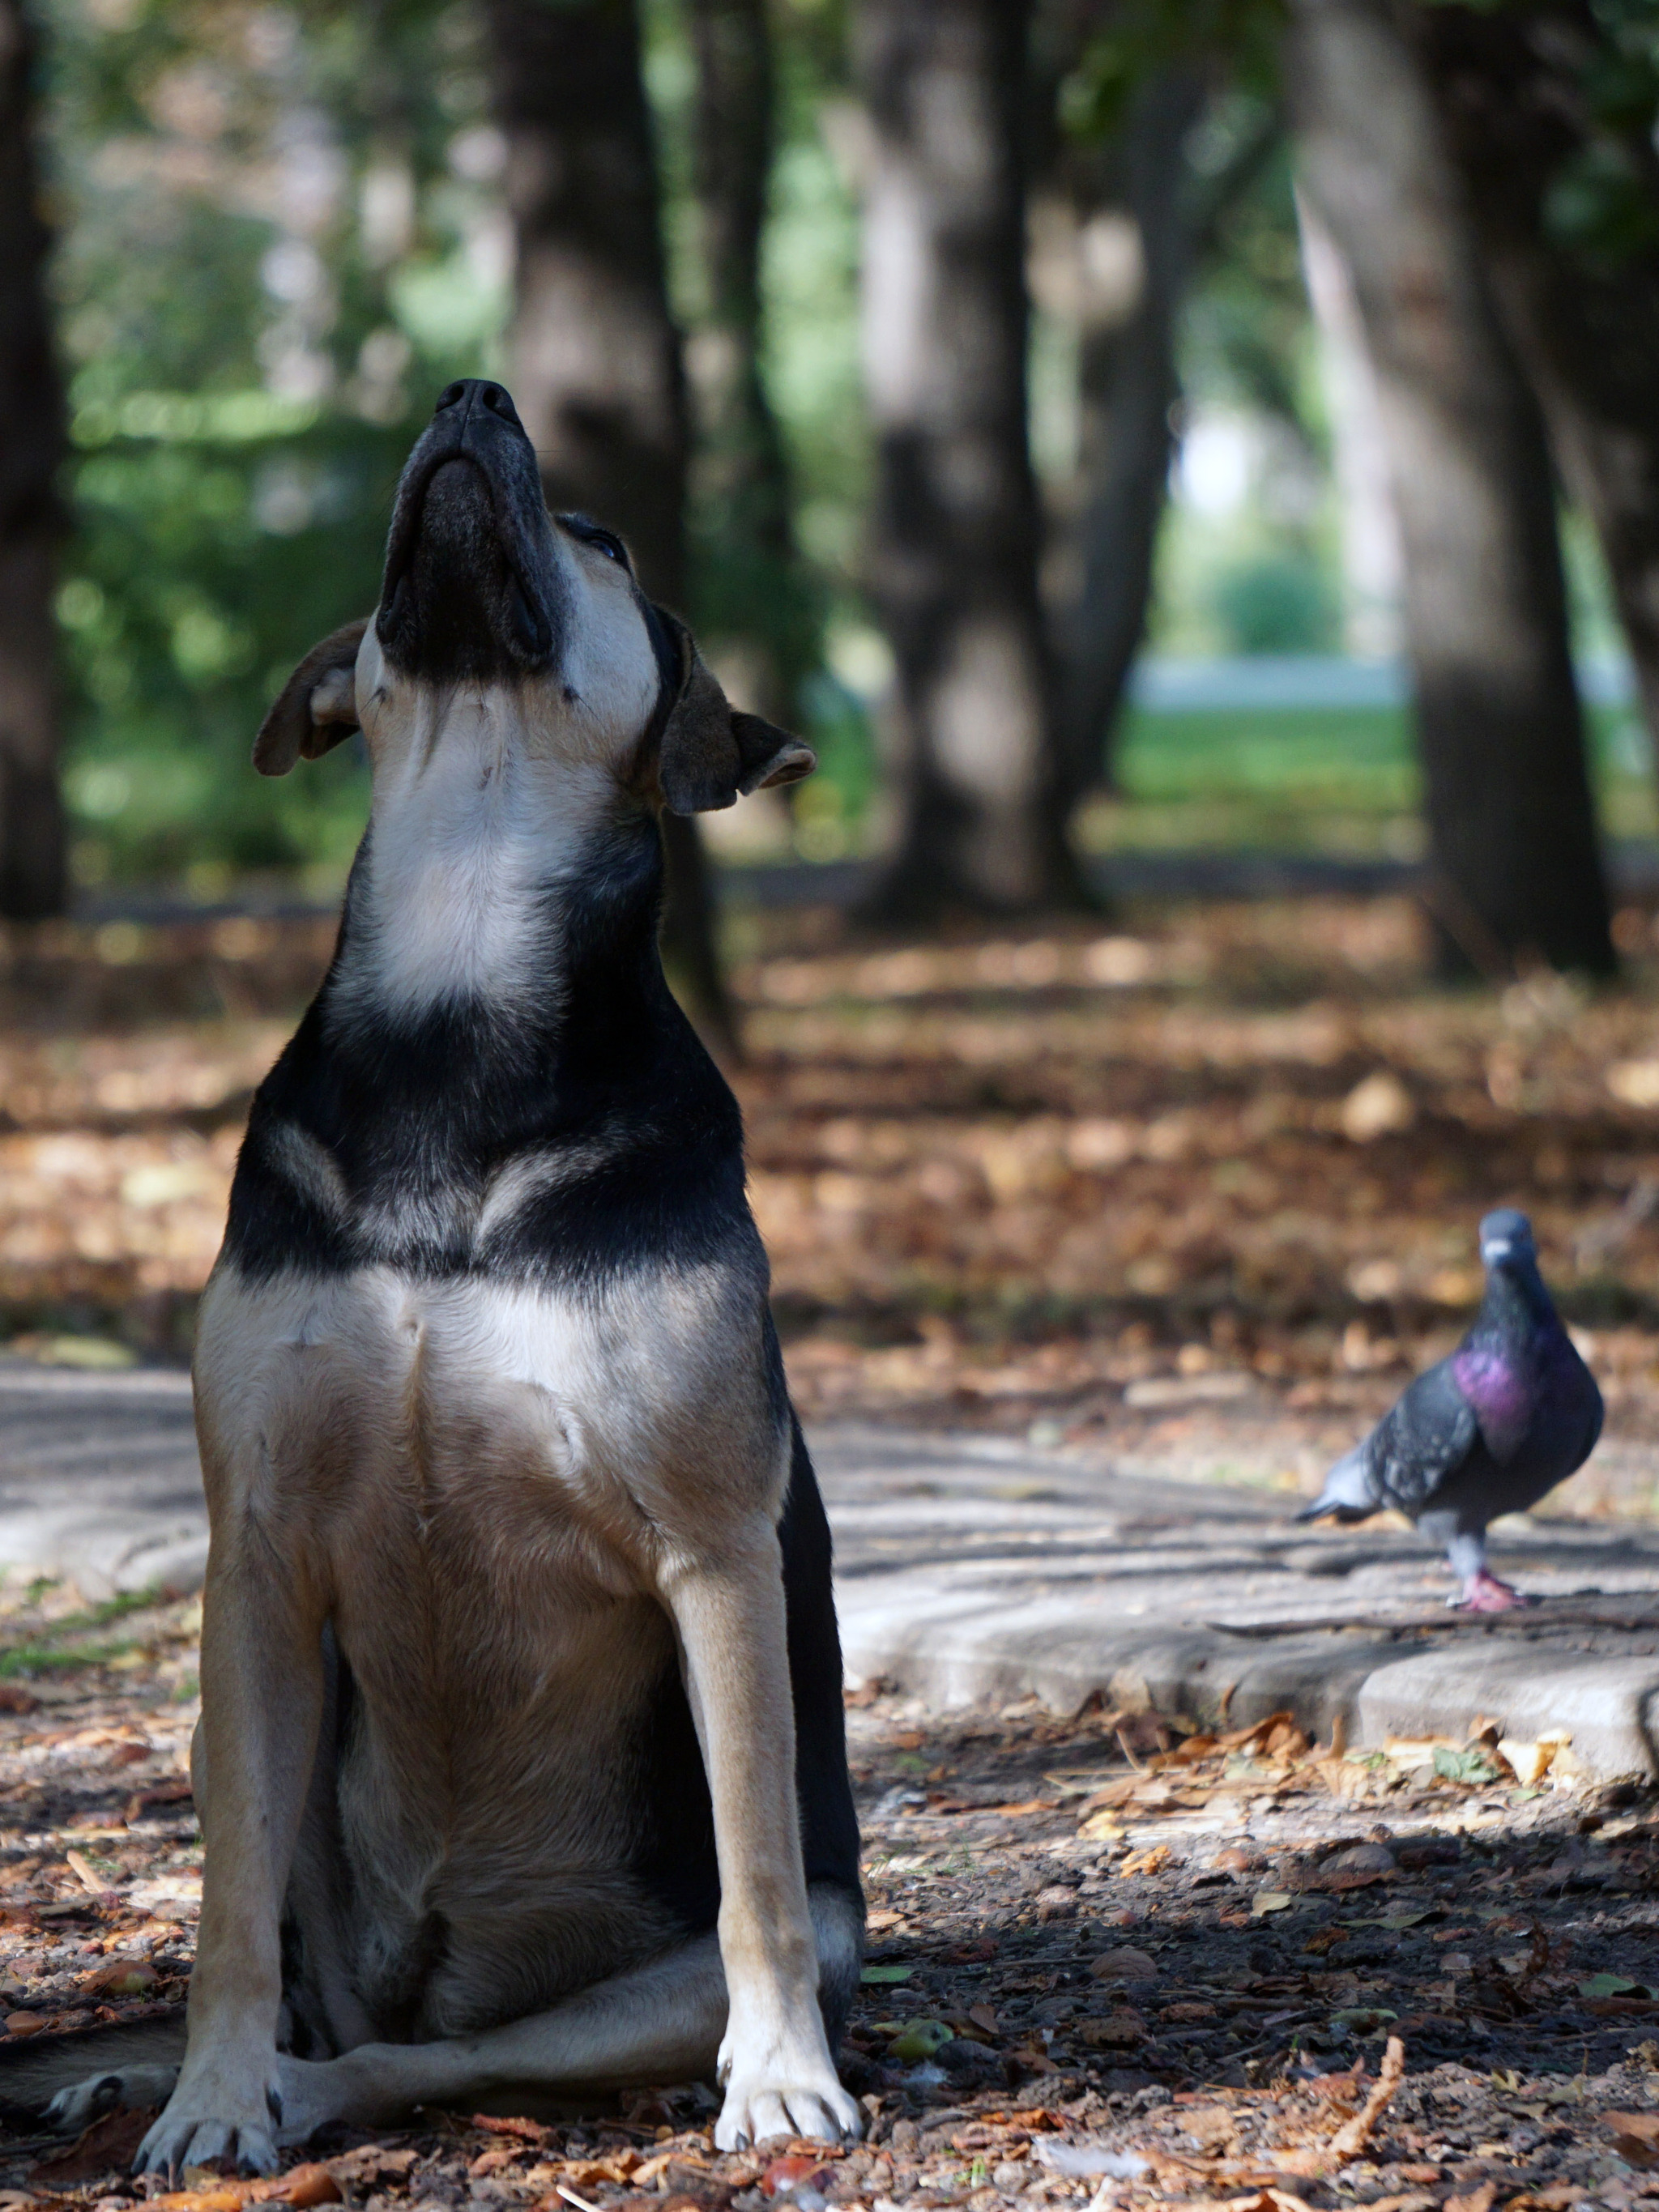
[{"x": 472, "y": 830}]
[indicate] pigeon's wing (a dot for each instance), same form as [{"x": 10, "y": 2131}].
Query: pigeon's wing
[
  {"x": 1426, "y": 1436},
  {"x": 1351, "y": 1492},
  {"x": 1594, "y": 1419}
]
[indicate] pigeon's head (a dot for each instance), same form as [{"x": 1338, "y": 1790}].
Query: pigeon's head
[{"x": 1506, "y": 1237}]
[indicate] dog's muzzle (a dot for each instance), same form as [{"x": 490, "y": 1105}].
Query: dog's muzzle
[{"x": 470, "y": 587}]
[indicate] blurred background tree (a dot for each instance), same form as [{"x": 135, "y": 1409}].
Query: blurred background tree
[
  {"x": 1516, "y": 868},
  {"x": 33, "y": 872},
  {"x": 1119, "y": 405}
]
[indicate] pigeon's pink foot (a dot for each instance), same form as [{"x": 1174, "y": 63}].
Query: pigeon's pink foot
[{"x": 1484, "y": 1593}]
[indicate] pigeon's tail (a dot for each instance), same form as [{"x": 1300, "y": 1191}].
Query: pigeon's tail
[{"x": 1350, "y": 1491}]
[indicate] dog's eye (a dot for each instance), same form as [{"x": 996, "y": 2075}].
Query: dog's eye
[{"x": 603, "y": 541}]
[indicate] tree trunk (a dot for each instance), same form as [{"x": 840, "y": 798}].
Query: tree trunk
[
  {"x": 1508, "y": 86},
  {"x": 32, "y": 873},
  {"x": 753, "y": 588},
  {"x": 1128, "y": 388},
  {"x": 954, "y": 528},
  {"x": 596, "y": 362},
  {"x": 1515, "y": 866}
]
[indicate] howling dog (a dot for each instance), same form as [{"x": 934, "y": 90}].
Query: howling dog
[{"x": 521, "y": 1764}]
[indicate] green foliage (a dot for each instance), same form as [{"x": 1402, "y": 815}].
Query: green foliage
[
  {"x": 280, "y": 236},
  {"x": 1142, "y": 36},
  {"x": 275, "y": 246},
  {"x": 1277, "y": 603},
  {"x": 1468, "y": 1765}
]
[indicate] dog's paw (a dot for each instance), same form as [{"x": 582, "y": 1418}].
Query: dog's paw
[
  {"x": 207, "y": 2121},
  {"x": 312, "y": 2091},
  {"x": 783, "y": 2092}
]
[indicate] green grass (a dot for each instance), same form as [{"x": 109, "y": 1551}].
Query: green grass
[
  {"x": 52, "y": 1647},
  {"x": 1334, "y": 779}
]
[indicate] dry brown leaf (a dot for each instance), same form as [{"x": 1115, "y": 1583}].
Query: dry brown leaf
[
  {"x": 1478, "y": 2200},
  {"x": 527, "y": 2130},
  {"x": 108, "y": 2143},
  {"x": 1151, "y": 1861},
  {"x": 1636, "y": 2137}
]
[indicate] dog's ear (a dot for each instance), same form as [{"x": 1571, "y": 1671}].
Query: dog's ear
[
  {"x": 318, "y": 706},
  {"x": 709, "y": 752}
]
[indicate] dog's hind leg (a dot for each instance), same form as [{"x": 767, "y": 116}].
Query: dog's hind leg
[{"x": 662, "y": 2023}]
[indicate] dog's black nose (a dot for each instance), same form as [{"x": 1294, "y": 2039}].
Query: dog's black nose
[{"x": 480, "y": 391}]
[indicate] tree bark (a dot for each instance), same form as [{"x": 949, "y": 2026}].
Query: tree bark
[
  {"x": 955, "y": 528},
  {"x": 1516, "y": 866},
  {"x": 1127, "y": 389},
  {"x": 755, "y": 589},
  {"x": 33, "y": 880},
  {"x": 596, "y": 359},
  {"x": 1509, "y": 87}
]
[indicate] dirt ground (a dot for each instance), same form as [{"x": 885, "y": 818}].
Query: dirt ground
[
  {"x": 1202, "y": 1184},
  {"x": 1106, "y": 1967}
]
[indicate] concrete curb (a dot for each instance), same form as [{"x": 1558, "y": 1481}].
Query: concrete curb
[{"x": 971, "y": 1571}]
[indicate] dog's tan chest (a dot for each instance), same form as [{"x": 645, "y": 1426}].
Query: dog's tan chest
[{"x": 481, "y": 1562}]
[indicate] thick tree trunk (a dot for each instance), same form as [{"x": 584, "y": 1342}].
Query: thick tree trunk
[
  {"x": 955, "y": 529},
  {"x": 595, "y": 356},
  {"x": 1508, "y": 86},
  {"x": 1128, "y": 388},
  {"x": 1516, "y": 867},
  {"x": 32, "y": 874},
  {"x": 742, "y": 478}
]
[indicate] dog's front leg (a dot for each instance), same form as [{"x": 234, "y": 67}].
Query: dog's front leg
[
  {"x": 774, "y": 2062},
  {"x": 262, "y": 1693}
]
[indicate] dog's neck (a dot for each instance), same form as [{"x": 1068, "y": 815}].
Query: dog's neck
[{"x": 468, "y": 882}]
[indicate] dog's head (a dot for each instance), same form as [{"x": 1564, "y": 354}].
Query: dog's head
[{"x": 486, "y": 589}]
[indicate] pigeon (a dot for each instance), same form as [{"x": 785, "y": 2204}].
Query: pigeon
[{"x": 1511, "y": 1413}]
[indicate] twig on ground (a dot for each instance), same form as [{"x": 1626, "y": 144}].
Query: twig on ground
[{"x": 1352, "y": 2137}]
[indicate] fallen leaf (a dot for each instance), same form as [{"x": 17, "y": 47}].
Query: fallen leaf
[
  {"x": 1151, "y": 1861},
  {"x": 1271, "y": 1900},
  {"x": 1478, "y": 2200},
  {"x": 1612, "y": 1985},
  {"x": 531, "y": 2131},
  {"x": 983, "y": 2015},
  {"x": 1127, "y": 1964},
  {"x": 879, "y": 1921},
  {"x": 794, "y": 2170},
  {"x": 876, "y": 1976},
  {"x": 86, "y": 1874},
  {"x": 919, "y": 2040},
  {"x": 1209, "y": 2125},
  {"x": 1527, "y": 1762},
  {"x": 1470, "y": 1764},
  {"x": 109, "y": 2144},
  {"x": 1636, "y": 2137}
]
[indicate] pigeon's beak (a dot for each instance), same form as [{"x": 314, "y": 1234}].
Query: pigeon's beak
[{"x": 1491, "y": 1253}]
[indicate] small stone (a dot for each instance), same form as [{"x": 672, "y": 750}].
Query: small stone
[{"x": 1356, "y": 1868}]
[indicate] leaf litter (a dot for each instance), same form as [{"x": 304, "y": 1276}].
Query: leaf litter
[{"x": 1213, "y": 1203}]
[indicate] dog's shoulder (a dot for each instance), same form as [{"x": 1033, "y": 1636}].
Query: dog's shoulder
[{"x": 599, "y": 1143}]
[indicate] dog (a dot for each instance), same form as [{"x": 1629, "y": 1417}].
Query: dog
[{"x": 522, "y": 1762}]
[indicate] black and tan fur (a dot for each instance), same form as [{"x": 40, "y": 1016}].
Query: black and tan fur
[{"x": 521, "y": 1759}]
